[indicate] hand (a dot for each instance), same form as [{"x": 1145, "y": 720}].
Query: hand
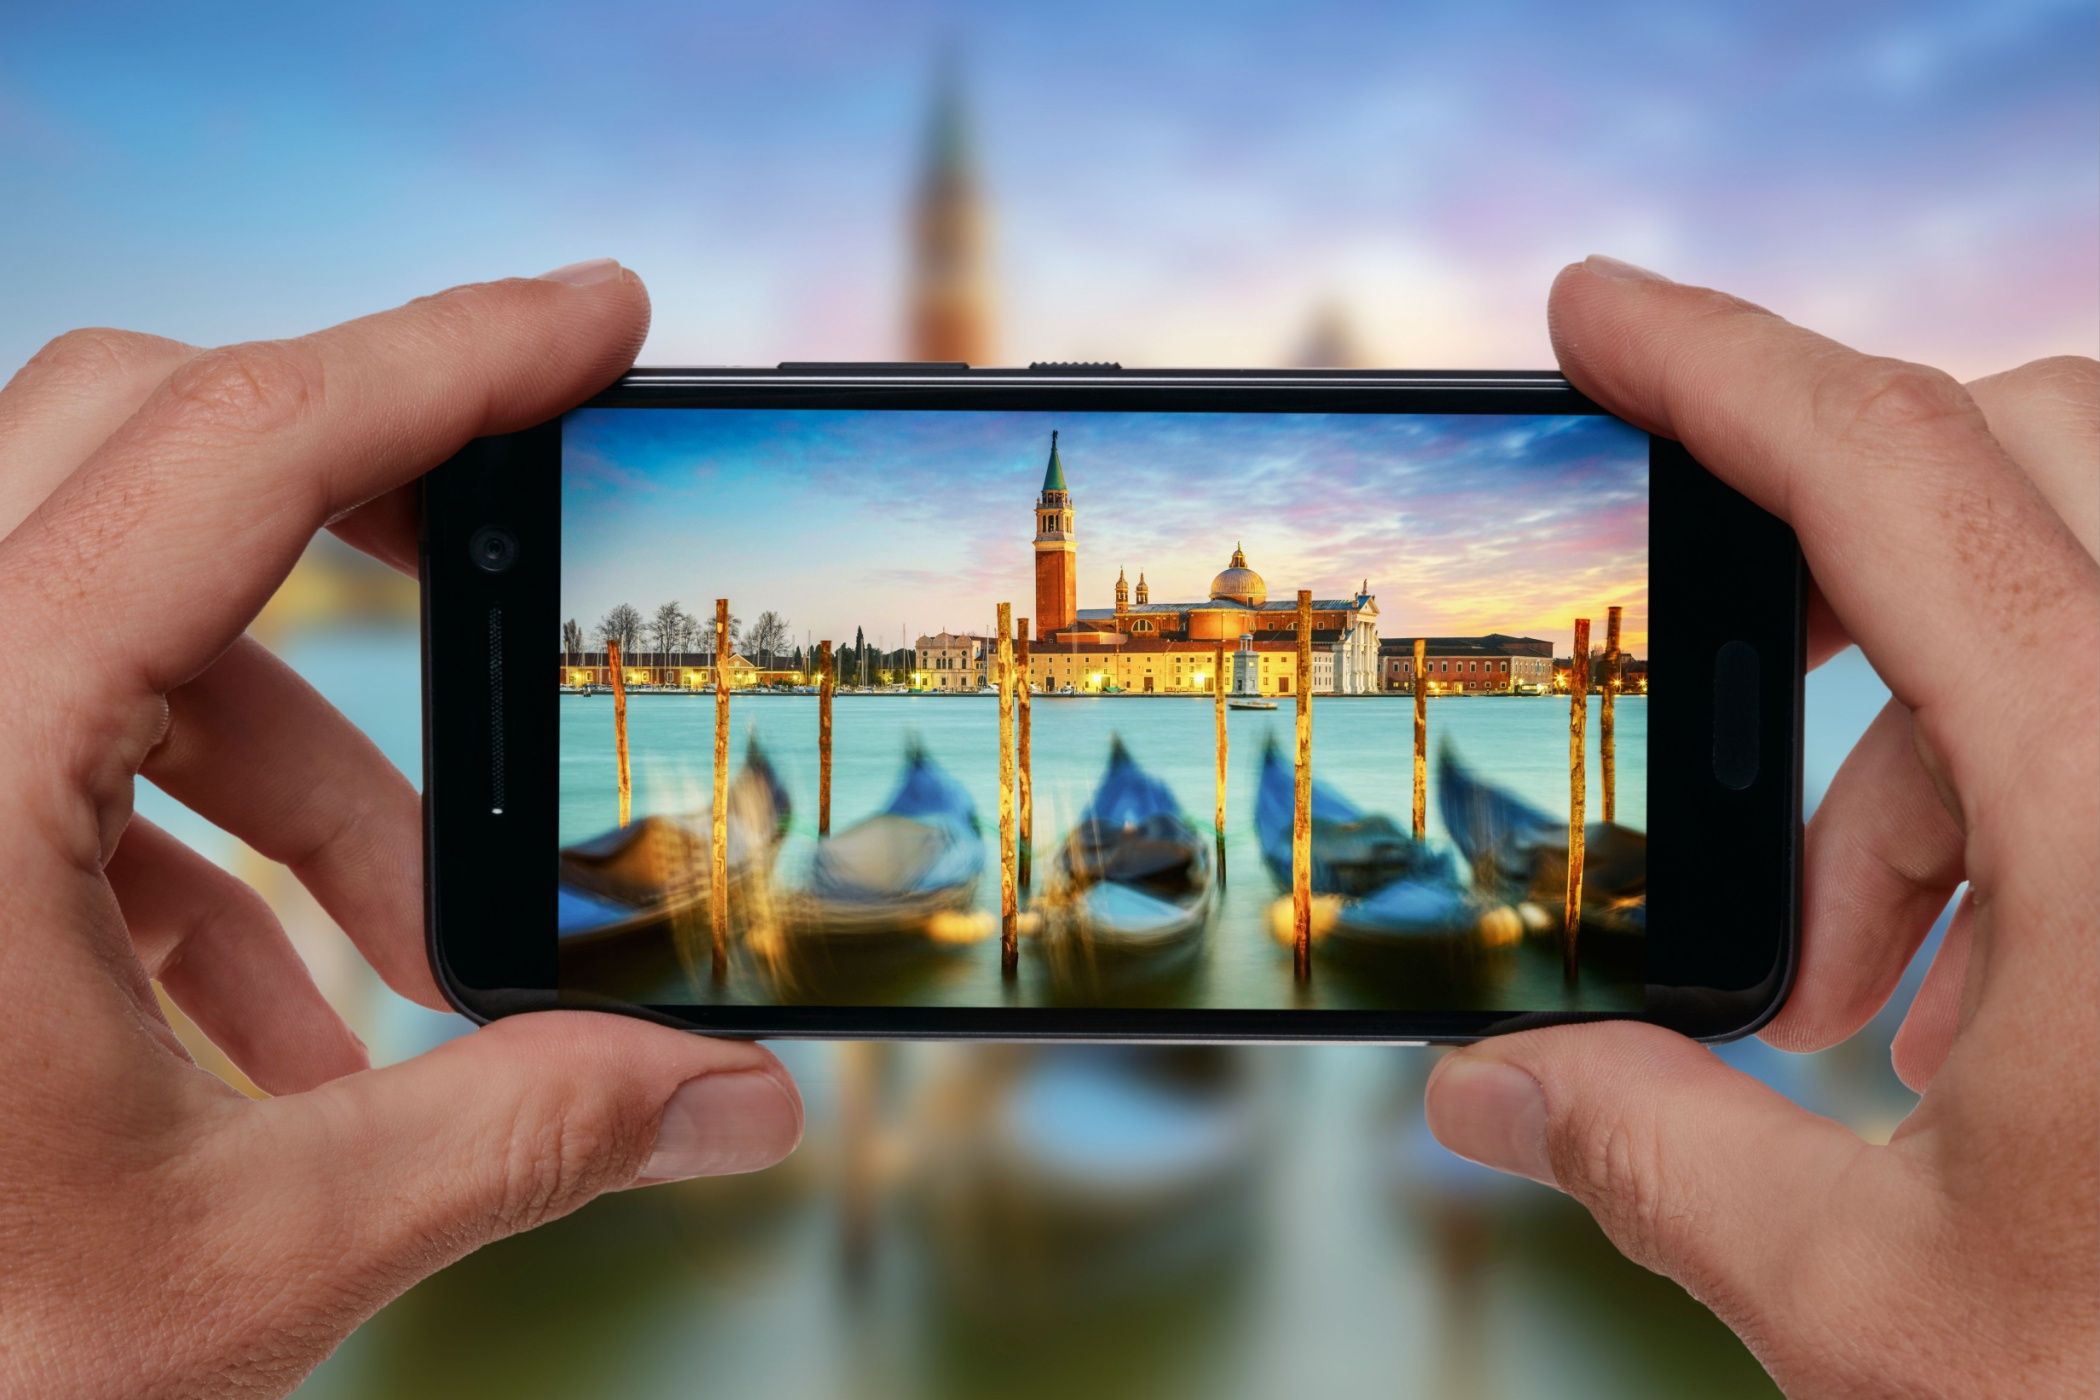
[
  {"x": 159, "y": 1233},
  {"x": 1950, "y": 533}
]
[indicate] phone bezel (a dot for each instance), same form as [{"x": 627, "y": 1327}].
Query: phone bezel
[{"x": 490, "y": 728}]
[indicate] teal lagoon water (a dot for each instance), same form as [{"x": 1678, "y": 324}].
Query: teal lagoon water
[{"x": 1363, "y": 746}]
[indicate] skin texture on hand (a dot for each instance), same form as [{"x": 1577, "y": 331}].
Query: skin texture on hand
[
  {"x": 161, "y": 1234},
  {"x": 1948, "y": 530}
]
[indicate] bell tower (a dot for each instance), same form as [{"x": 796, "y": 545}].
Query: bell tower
[
  {"x": 951, "y": 297},
  {"x": 1056, "y": 553}
]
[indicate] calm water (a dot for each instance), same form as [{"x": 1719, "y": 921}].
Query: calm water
[{"x": 1361, "y": 746}]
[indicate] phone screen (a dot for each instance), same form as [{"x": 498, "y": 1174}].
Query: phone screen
[{"x": 1284, "y": 713}]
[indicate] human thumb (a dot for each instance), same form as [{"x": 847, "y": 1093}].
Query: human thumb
[
  {"x": 396, "y": 1172},
  {"x": 1692, "y": 1168}
]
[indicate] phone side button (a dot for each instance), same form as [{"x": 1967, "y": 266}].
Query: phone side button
[
  {"x": 1735, "y": 715},
  {"x": 872, "y": 367}
]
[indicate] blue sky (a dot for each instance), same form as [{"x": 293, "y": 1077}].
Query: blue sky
[
  {"x": 1170, "y": 183},
  {"x": 923, "y": 520}
]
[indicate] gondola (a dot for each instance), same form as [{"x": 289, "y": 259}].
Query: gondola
[
  {"x": 652, "y": 872},
  {"x": 1131, "y": 889},
  {"x": 1354, "y": 853},
  {"x": 899, "y": 883},
  {"x": 1382, "y": 899},
  {"x": 1520, "y": 853}
]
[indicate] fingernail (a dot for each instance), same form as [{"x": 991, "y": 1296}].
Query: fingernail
[
  {"x": 587, "y": 273},
  {"x": 720, "y": 1124},
  {"x": 1492, "y": 1113},
  {"x": 1619, "y": 271}
]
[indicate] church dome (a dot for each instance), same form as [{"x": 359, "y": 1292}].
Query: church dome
[{"x": 1239, "y": 584}]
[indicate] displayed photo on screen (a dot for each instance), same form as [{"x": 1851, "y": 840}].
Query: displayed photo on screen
[{"x": 1288, "y": 710}]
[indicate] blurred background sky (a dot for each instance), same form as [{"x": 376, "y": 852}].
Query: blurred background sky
[
  {"x": 1169, "y": 183},
  {"x": 1223, "y": 184}
]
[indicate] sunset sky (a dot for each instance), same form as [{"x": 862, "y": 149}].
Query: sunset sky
[
  {"x": 1168, "y": 183},
  {"x": 923, "y": 520}
]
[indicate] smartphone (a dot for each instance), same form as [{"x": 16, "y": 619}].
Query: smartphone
[{"x": 1075, "y": 702}]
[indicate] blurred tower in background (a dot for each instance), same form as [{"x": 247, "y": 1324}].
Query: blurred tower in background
[
  {"x": 951, "y": 300},
  {"x": 1330, "y": 342}
]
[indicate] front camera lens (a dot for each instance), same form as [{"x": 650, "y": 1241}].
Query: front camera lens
[{"x": 493, "y": 548}]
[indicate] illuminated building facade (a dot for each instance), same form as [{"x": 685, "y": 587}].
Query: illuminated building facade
[
  {"x": 693, "y": 671},
  {"x": 1453, "y": 664},
  {"x": 952, "y": 661},
  {"x": 1143, "y": 646}
]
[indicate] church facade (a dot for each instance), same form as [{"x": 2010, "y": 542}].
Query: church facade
[{"x": 1143, "y": 646}]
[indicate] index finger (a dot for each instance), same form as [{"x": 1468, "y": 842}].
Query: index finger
[
  {"x": 171, "y": 536},
  {"x": 1932, "y": 547}
]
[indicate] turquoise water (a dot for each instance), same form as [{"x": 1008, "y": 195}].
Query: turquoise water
[{"x": 1362, "y": 746}]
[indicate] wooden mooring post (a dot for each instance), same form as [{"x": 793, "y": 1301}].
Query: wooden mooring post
[
  {"x": 1024, "y": 784},
  {"x": 1578, "y": 788},
  {"x": 619, "y": 689},
  {"x": 1301, "y": 802},
  {"x": 1217, "y": 686},
  {"x": 1421, "y": 739},
  {"x": 1607, "y": 737},
  {"x": 1009, "y": 900},
  {"x": 718, "y": 870},
  {"x": 826, "y": 683}
]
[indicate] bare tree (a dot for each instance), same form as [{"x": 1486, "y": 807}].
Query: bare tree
[
  {"x": 623, "y": 625},
  {"x": 707, "y": 633},
  {"x": 688, "y": 635},
  {"x": 666, "y": 628},
  {"x": 768, "y": 635},
  {"x": 571, "y": 639}
]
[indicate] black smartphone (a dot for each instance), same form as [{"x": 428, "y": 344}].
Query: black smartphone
[{"x": 1086, "y": 703}]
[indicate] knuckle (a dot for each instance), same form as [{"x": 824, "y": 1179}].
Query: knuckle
[
  {"x": 563, "y": 1147},
  {"x": 90, "y": 353},
  {"x": 1616, "y": 1163},
  {"x": 1878, "y": 399},
  {"x": 456, "y": 315},
  {"x": 458, "y": 319},
  {"x": 2075, "y": 377},
  {"x": 229, "y": 908},
  {"x": 2065, "y": 388},
  {"x": 257, "y": 388}
]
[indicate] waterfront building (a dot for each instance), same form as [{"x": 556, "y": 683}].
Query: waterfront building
[
  {"x": 1146, "y": 646},
  {"x": 1633, "y": 672},
  {"x": 953, "y": 661},
  {"x": 692, "y": 671},
  {"x": 1495, "y": 662}
]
